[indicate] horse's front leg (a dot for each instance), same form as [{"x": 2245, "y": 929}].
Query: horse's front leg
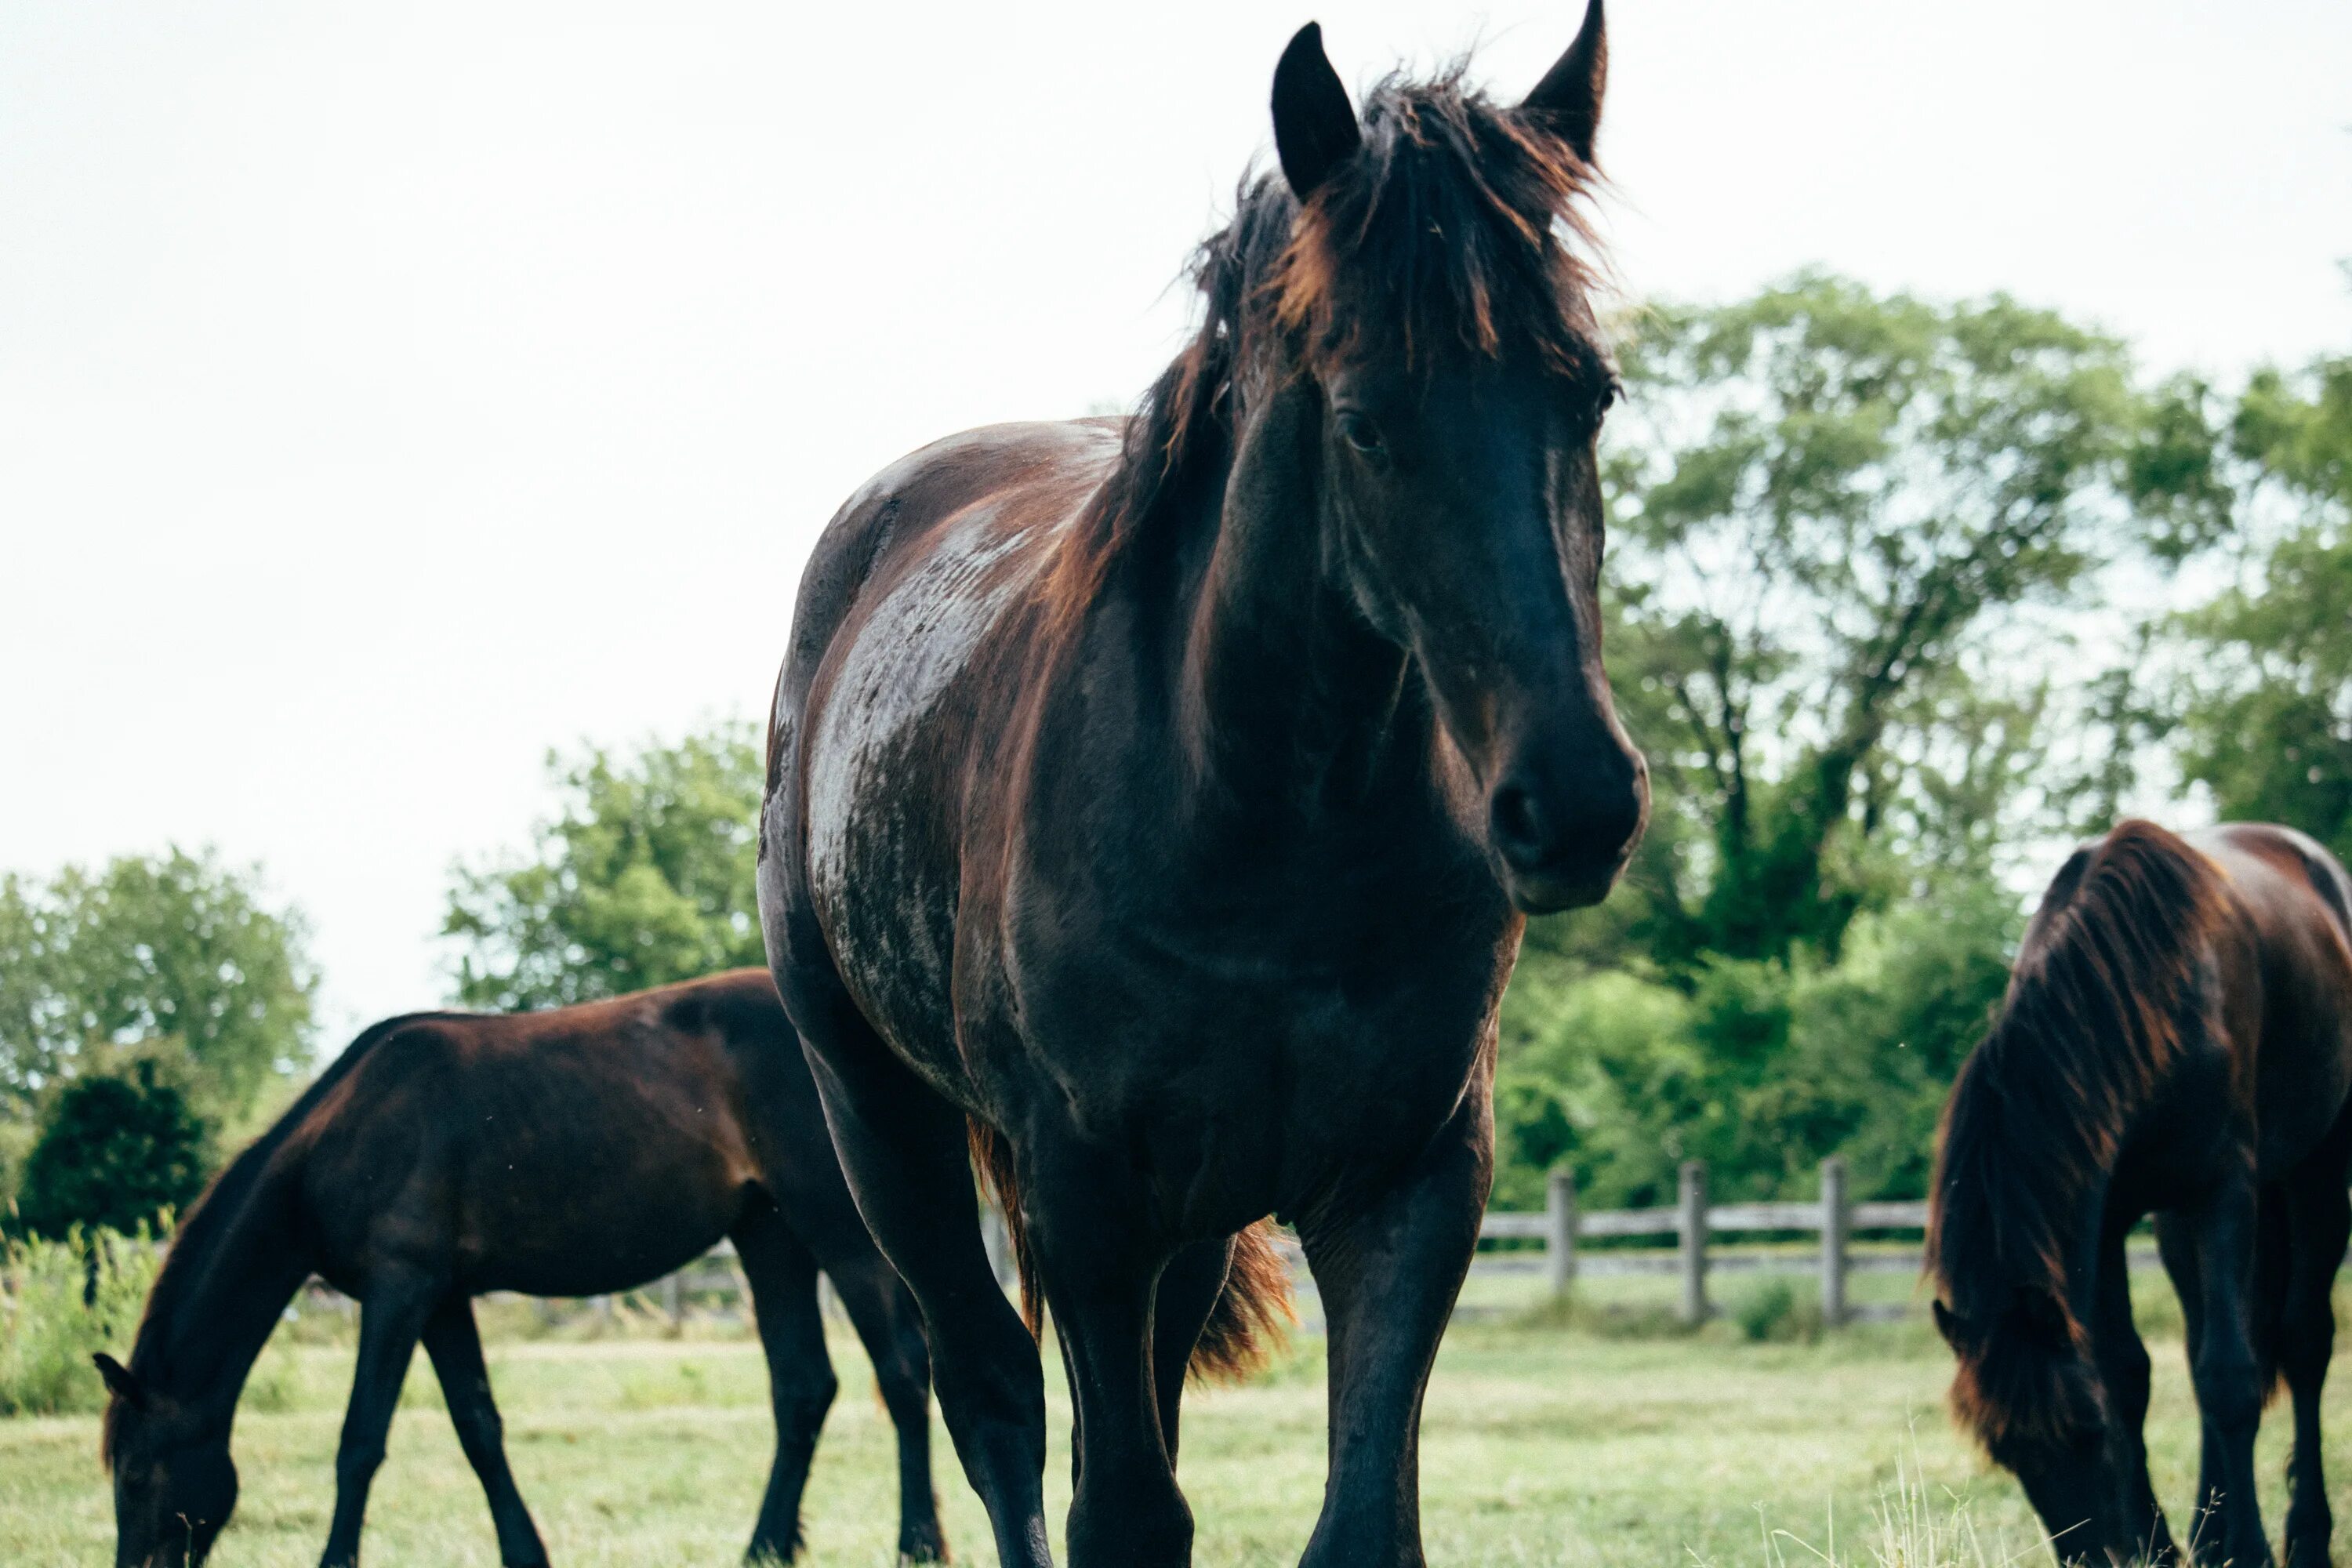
[
  {"x": 2124, "y": 1369},
  {"x": 392, "y": 1314},
  {"x": 1389, "y": 1263},
  {"x": 455, "y": 1343},
  {"x": 1101, "y": 1270},
  {"x": 906, "y": 1154},
  {"x": 2220, "y": 1234}
]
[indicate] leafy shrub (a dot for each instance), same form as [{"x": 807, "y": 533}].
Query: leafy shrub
[
  {"x": 59, "y": 1302},
  {"x": 115, "y": 1151}
]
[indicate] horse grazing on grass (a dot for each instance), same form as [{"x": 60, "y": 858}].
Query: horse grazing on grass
[
  {"x": 1155, "y": 804},
  {"x": 572, "y": 1153},
  {"x": 2176, "y": 1040}
]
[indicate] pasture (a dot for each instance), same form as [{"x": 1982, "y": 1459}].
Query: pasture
[{"x": 1542, "y": 1444}]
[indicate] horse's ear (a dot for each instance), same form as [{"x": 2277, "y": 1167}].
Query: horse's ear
[
  {"x": 118, "y": 1379},
  {"x": 1947, "y": 1324},
  {"x": 1314, "y": 124},
  {"x": 1568, "y": 99}
]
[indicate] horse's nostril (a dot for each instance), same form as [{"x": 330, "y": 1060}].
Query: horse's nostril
[{"x": 1518, "y": 824}]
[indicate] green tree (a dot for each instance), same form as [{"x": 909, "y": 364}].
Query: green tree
[
  {"x": 2267, "y": 709},
  {"x": 116, "y": 1149},
  {"x": 644, "y": 877},
  {"x": 151, "y": 947},
  {"x": 1832, "y": 508}
]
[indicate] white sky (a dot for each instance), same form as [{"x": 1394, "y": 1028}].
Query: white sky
[{"x": 389, "y": 393}]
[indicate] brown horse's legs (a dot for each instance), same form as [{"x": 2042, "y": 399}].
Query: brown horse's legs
[
  {"x": 456, "y": 1347},
  {"x": 392, "y": 1315},
  {"x": 1189, "y": 1287},
  {"x": 892, "y": 1330},
  {"x": 1390, "y": 1267},
  {"x": 1101, "y": 1274},
  {"x": 2221, "y": 1235},
  {"x": 906, "y": 1154},
  {"x": 2319, "y": 1220},
  {"x": 800, "y": 1385},
  {"x": 2123, "y": 1370}
]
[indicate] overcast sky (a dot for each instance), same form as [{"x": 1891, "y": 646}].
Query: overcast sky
[{"x": 388, "y": 394}]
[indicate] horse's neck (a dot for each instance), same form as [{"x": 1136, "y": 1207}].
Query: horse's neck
[{"x": 225, "y": 1283}]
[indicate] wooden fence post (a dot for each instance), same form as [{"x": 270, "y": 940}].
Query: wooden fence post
[
  {"x": 1693, "y": 1240},
  {"x": 1836, "y": 1216},
  {"x": 1559, "y": 1232},
  {"x": 671, "y": 1304}
]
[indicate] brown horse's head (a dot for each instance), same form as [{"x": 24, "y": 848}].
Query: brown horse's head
[
  {"x": 1442, "y": 321},
  {"x": 2028, "y": 1391},
  {"x": 174, "y": 1483}
]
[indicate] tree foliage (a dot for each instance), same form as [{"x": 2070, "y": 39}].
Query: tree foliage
[
  {"x": 117, "y": 1151},
  {"x": 644, "y": 877},
  {"x": 1829, "y": 507},
  {"x": 2266, "y": 716},
  {"x": 1850, "y": 535},
  {"x": 173, "y": 946}
]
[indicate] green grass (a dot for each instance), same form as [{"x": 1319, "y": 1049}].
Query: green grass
[{"x": 1540, "y": 1446}]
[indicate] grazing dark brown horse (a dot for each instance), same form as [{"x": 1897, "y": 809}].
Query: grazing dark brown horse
[
  {"x": 2176, "y": 1040},
  {"x": 1161, "y": 798},
  {"x": 572, "y": 1153}
]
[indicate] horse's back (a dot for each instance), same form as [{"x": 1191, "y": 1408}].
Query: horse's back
[
  {"x": 2297, "y": 905},
  {"x": 566, "y": 1152}
]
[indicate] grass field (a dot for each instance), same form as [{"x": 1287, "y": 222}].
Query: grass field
[{"x": 1540, "y": 1446}]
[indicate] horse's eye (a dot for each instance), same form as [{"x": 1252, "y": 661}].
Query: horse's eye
[{"x": 1359, "y": 431}]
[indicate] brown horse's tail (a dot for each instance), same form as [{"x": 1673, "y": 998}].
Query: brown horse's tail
[{"x": 1252, "y": 1314}]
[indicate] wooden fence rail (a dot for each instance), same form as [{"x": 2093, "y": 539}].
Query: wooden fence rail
[{"x": 1694, "y": 1222}]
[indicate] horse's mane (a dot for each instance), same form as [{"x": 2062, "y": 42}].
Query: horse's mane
[
  {"x": 198, "y": 1245},
  {"x": 1451, "y": 225},
  {"x": 2106, "y": 989}
]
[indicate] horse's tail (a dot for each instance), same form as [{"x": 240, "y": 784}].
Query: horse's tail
[{"x": 1252, "y": 1312}]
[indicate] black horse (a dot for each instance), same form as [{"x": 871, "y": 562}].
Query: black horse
[
  {"x": 571, "y": 1153},
  {"x": 2177, "y": 1040},
  {"x": 1162, "y": 798}
]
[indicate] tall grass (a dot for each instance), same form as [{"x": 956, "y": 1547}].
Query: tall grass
[
  {"x": 59, "y": 1301},
  {"x": 1910, "y": 1526}
]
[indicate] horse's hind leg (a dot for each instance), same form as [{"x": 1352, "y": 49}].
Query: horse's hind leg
[
  {"x": 1189, "y": 1287},
  {"x": 456, "y": 1347},
  {"x": 2319, "y": 1221},
  {"x": 906, "y": 1155},
  {"x": 393, "y": 1313},
  {"x": 892, "y": 1332},
  {"x": 800, "y": 1385},
  {"x": 1389, "y": 1264}
]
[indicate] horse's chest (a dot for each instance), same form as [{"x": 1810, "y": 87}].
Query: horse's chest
[{"x": 1275, "y": 1077}]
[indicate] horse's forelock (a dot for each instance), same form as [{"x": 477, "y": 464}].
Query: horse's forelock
[{"x": 1451, "y": 226}]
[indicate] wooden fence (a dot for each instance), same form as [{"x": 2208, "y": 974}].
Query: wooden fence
[
  {"x": 1562, "y": 1228},
  {"x": 1694, "y": 1222}
]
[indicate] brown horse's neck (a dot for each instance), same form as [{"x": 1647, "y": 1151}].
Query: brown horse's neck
[{"x": 232, "y": 1267}]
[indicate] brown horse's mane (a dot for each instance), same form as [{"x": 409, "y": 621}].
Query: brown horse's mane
[
  {"x": 2104, "y": 989},
  {"x": 197, "y": 1243},
  {"x": 1452, "y": 224}
]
